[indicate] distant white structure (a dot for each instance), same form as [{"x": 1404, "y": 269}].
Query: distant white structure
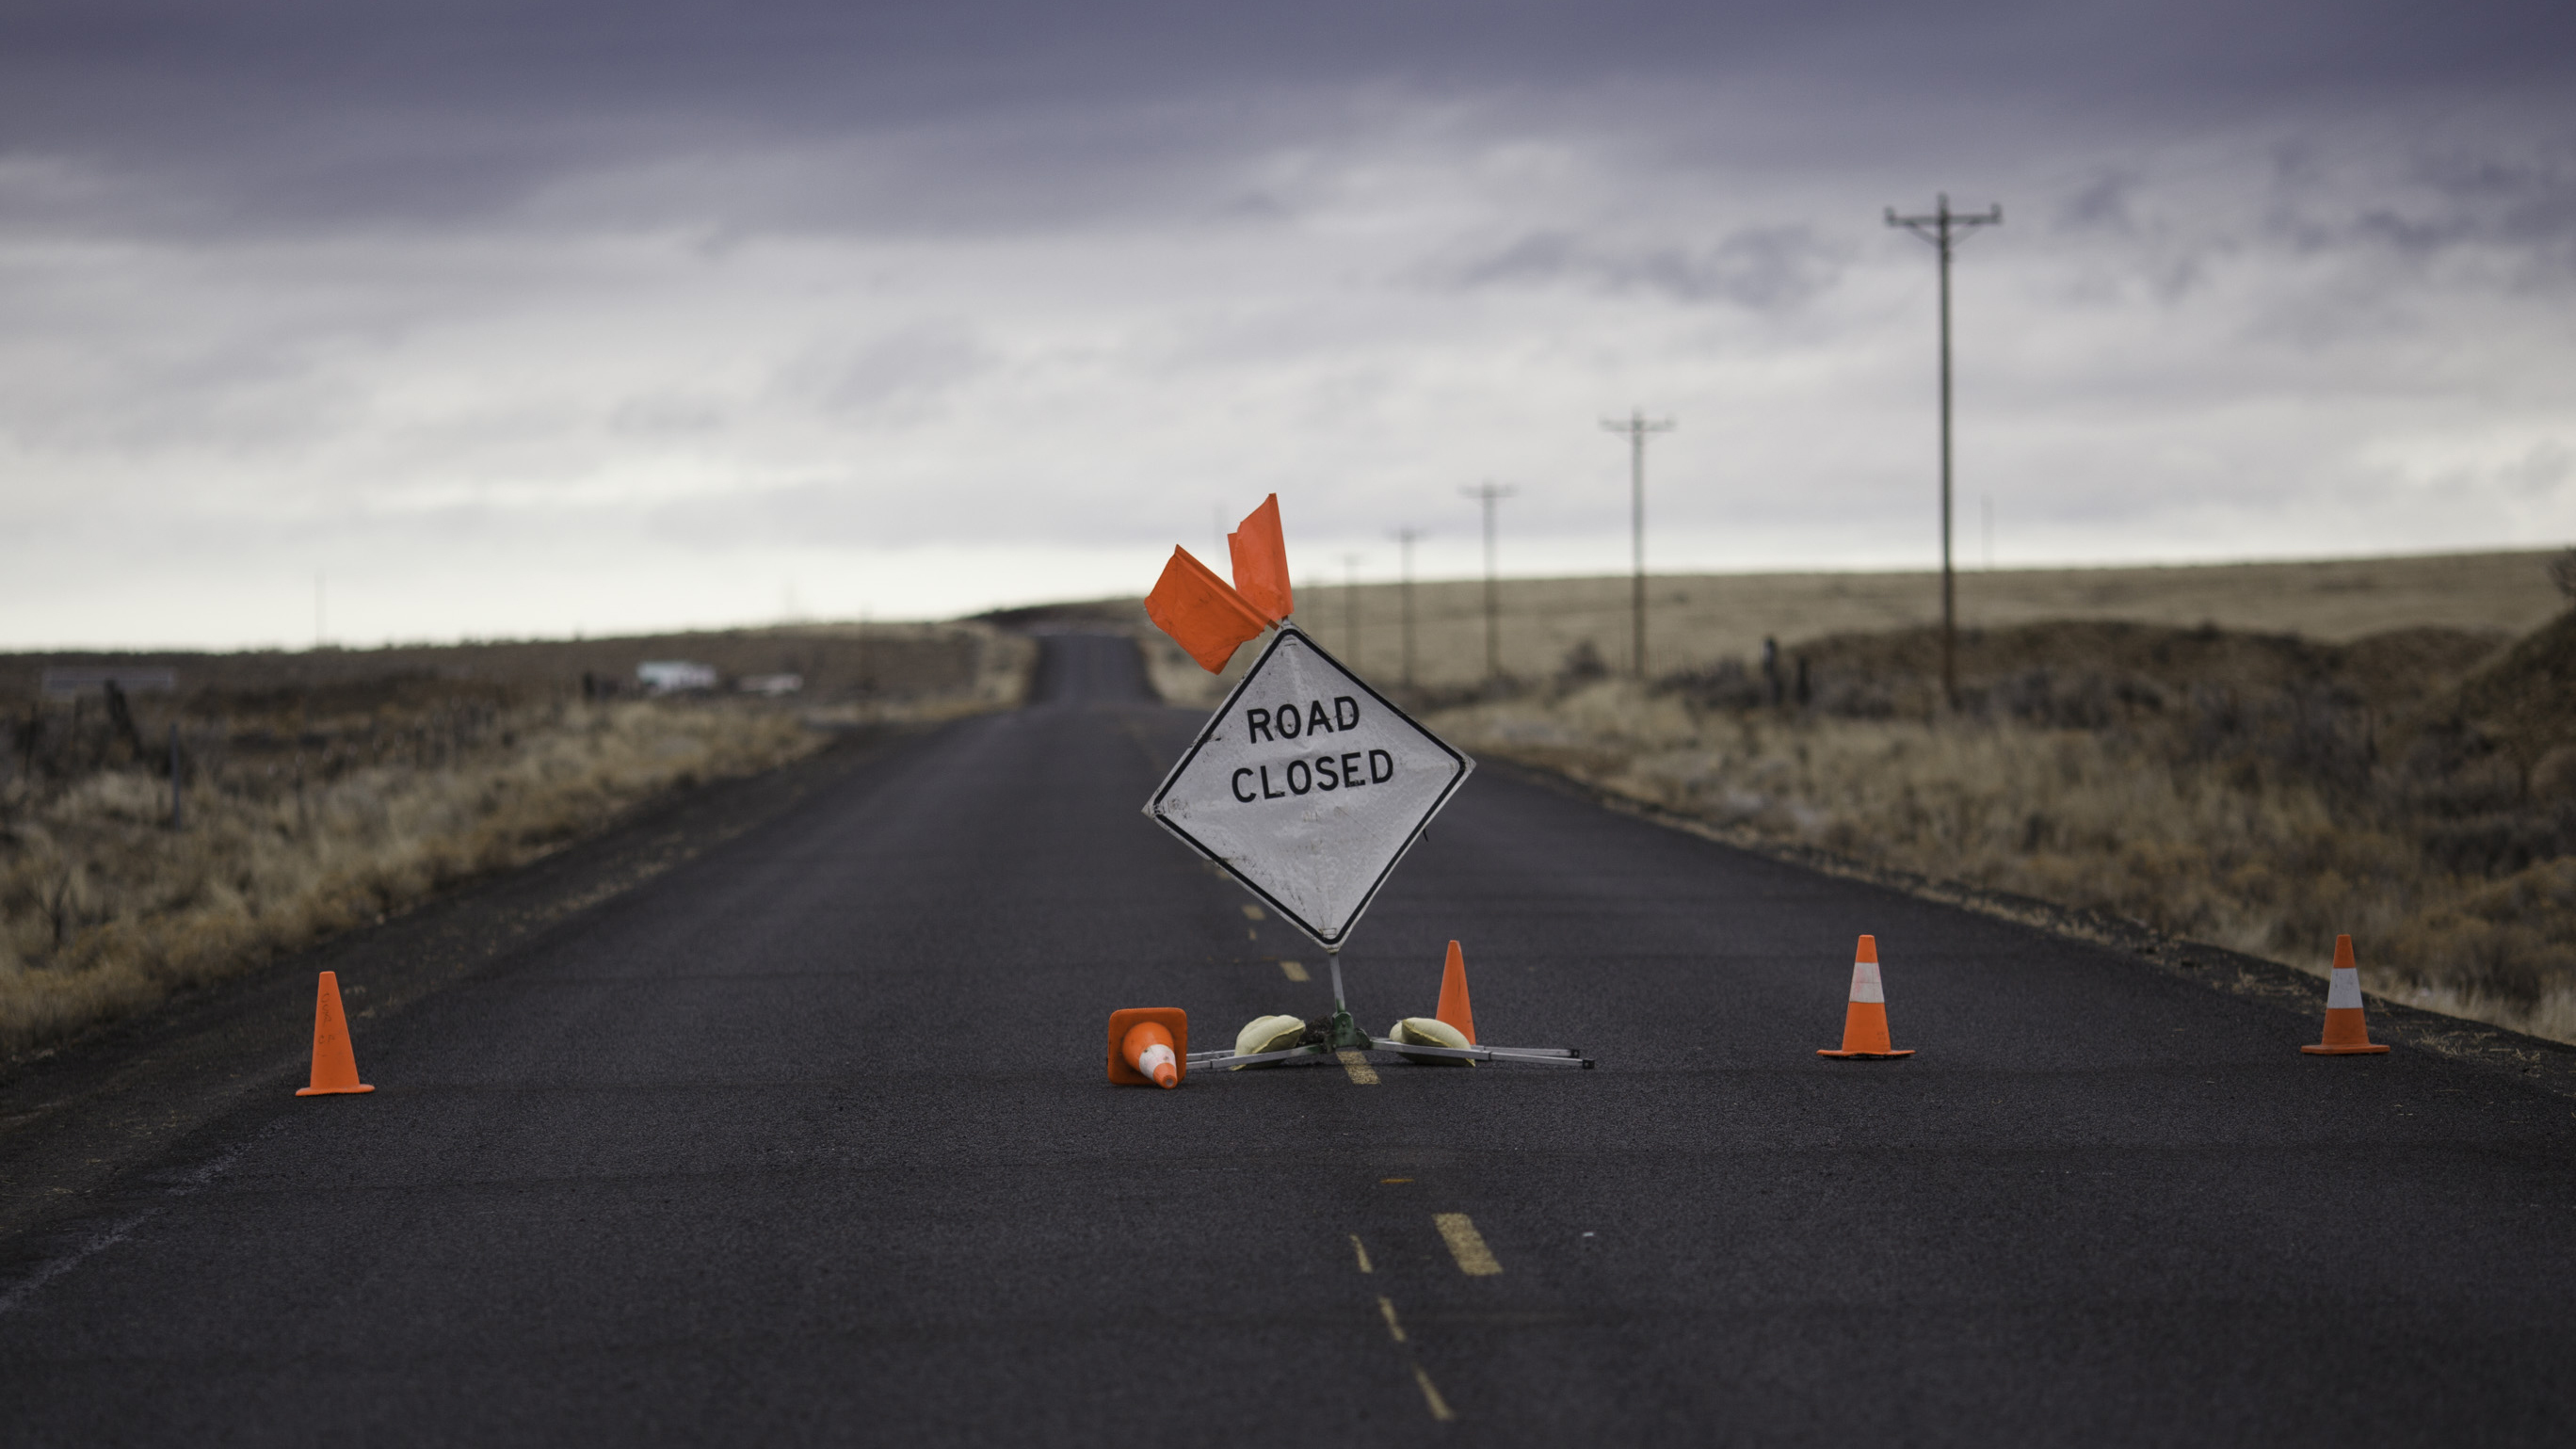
[
  {"x": 771, "y": 685},
  {"x": 674, "y": 676}
]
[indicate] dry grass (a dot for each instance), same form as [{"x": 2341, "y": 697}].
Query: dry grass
[
  {"x": 332, "y": 796},
  {"x": 2260, "y": 793}
]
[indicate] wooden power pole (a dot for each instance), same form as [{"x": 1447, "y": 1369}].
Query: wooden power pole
[
  {"x": 1489, "y": 495},
  {"x": 1405, "y": 538},
  {"x": 1638, "y": 430},
  {"x": 1945, "y": 229}
]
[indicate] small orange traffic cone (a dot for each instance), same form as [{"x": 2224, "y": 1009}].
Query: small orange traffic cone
[
  {"x": 2347, "y": 1034},
  {"x": 1453, "y": 995},
  {"x": 1865, "y": 1019},
  {"x": 335, "y": 1068},
  {"x": 1149, "y": 1046}
]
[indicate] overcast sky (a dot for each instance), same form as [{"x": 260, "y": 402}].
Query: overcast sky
[{"x": 512, "y": 319}]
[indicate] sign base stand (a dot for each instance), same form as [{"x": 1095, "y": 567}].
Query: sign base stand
[{"x": 1343, "y": 1034}]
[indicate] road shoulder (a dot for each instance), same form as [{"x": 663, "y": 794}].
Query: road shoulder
[
  {"x": 2534, "y": 1061},
  {"x": 73, "y": 1117}
]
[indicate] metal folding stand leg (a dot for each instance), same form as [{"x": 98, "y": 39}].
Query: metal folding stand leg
[
  {"x": 1229, "y": 1060},
  {"x": 1343, "y": 1034},
  {"x": 1533, "y": 1056}
]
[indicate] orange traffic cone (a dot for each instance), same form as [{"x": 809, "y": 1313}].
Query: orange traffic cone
[
  {"x": 1453, "y": 995},
  {"x": 1149, "y": 1046},
  {"x": 1865, "y": 1019},
  {"x": 2347, "y": 1034},
  {"x": 335, "y": 1068}
]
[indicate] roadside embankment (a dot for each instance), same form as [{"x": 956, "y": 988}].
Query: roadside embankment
[
  {"x": 306, "y": 795},
  {"x": 2416, "y": 789}
]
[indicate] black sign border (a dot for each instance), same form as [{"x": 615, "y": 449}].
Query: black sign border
[{"x": 1154, "y": 806}]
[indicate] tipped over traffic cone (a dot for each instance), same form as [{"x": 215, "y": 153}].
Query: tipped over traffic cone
[
  {"x": 1453, "y": 996},
  {"x": 335, "y": 1067},
  {"x": 1865, "y": 1019},
  {"x": 2347, "y": 1034},
  {"x": 1149, "y": 1046}
]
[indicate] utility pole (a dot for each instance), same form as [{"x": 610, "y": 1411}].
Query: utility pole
[
  {"x": 1489, "y": 495},
  {"x": 1405, "y": 538},
  {"x": 1638, "y": 430},
  {"x": 1351, "y": 605},
  {"x": 1944, "y": 229}
]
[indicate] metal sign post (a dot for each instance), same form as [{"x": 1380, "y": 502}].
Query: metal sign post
[{"x": 1308, "y": 787}]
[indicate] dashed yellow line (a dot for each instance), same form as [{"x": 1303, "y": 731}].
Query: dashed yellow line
[
  {"x": 1251, "y": 912},
  {"x": 1431, "y": 1398},
  {"x": 1386, "y": 1310},
  {"x": 1439, "y": 1406},
  {"x": 1293, "y": 971},
  {"x": 1466, "y": 1245},
  {"x": 1362, "y": 1074}
]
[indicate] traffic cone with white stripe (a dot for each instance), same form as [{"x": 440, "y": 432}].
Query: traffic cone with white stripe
[
  {"x": 1865, "y": 1019},
  {"x": 2347, "y": 1034},
  {"x": 1149, "y": 1046}
]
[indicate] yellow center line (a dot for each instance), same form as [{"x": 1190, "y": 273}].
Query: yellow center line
[
  {"x": 1362, "y": 1253},
  {"x": 1252, "y": 913},
  {"x": 1386, "y": 1309},
  {"x": 1439, "y": 1406},
  {"x": 1362, "y": 1074},
  {"x": 1293, "y": 971},
  {"x": 1466, "y": 1245}
]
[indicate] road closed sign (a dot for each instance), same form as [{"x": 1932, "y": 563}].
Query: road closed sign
[{"x": 1309, "y": 786}]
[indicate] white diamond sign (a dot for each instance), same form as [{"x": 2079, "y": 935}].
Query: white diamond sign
[{"x": 1308, "y": 786}]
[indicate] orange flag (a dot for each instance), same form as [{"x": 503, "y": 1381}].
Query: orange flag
[
  {"x": 1261, "y": 561},
  {"x": 1202, "y": 612}
]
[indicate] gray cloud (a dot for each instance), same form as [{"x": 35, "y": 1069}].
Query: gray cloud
[
  {"x": 902, "y": 373},
  {"x": 2447, "y": 199},
  {"x": 1762, "y": 268},
  {"x": 668, "y": 415},
  {"x": 284, "y": 113},
  {"x": 687, "y": 295}
]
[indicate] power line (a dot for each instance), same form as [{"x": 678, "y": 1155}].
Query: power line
[
  {"x": 1638, "y": 430},
  {"x": 1489, "y": 495},
  {"x": 1944, "y": 229}
]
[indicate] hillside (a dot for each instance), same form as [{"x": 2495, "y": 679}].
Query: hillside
[{"x": 1697, "y": 621}]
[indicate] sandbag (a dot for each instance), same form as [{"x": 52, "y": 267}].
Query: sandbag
[
  {"x": 1268, "y": 1034},
  {"x": 1430, "y": 1031}
]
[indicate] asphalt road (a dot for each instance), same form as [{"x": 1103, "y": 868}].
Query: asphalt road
[{"x": 805, "y": 1139}]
